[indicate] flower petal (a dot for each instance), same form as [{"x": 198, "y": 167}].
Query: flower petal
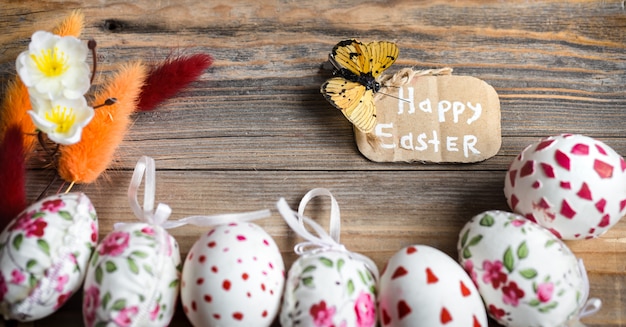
[
  {"x": 42, "y": 40},
  {"x": 74, "y": 46},
  {"x": 62, "y": 119},
  {"x": 55, "y": 66},
  {"x": 41, "y": 123}
]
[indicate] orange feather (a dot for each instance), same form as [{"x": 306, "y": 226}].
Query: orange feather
[
  {"x": 84, "y": 161},
  {"x": 13, "y": 112},
  {"x": 72, "y": 25}
]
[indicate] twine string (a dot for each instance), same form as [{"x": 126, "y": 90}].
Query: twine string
[{"x": 405, "y": 75}]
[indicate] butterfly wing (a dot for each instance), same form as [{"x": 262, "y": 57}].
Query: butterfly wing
[
  {"x": 360, "y": 58},
  {"x": 354, "y": 101},
  {"x": 382, "y": 55},
  {"x": 363, "y": 116},
  {"x": 351, "y": 55}
]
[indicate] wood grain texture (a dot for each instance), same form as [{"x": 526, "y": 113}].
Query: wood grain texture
[{"x": 255, "y": 128}]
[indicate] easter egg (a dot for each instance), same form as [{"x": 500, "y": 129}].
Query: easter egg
[
  {"x": 329, "y": 288},
  {"x": 422, "y": 286},
  {"x": 233, "y": 276},
  {"x": 132, "y": 278},
  {"x": 525, "y": 275},
  {"x": 573, "y": 185},
  {"x": 44, "y": 254}
]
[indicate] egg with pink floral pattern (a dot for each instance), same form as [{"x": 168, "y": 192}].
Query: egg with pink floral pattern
[
  {"x": 233, "y": 276},
  {"x": 422, "y": 286},
  {"x": 132, "y": 278},
  {"x": 573, "y": 185},
  {"x": 43, "y": 255},
  {"x": 525, "y": 275},
  {"x": 329, "y": 288}
]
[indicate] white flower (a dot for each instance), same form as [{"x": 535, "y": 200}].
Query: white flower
[
  {"x": 54, "y": 66},
  {"x": 62, "y": 119}
]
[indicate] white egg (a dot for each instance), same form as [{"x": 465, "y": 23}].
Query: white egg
[
  {"x": 132, "y": 278},
  {"x": 43, "y": 255},
  {"x": 526, "y": 276},
  {"x": 329, "y": 288},
  {"x": 233, "y": 276},
  {"x": 573, "y": 185},
  {"x": 422, "y": 286}
]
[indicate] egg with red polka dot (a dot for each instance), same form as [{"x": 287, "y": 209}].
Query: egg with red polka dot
[
  {"x": 233, "y": 276},
  {"x": 422, "y": 286},
  {"x": 573, "y": 185}
]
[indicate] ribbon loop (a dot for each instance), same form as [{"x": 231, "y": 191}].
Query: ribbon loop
[
  {"x": 335, "y": 220},
  {"x": 206, "y": 221},
  {"x": 322, "y": 241},
  {"x": 146, "y": 166},
  {"x": 592, "y": 305}
]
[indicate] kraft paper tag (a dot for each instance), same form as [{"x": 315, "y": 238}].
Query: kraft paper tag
[{"x": 433, "y": 118}]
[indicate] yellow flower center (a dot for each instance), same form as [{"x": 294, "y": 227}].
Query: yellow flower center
[
  {"x": 51, "y": 62},
  {"x": 64, "y": 118}
]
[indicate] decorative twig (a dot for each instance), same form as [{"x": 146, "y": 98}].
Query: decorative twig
[
  {"x": 91, "y": 44},
  {"x": 107, "y": 102}
]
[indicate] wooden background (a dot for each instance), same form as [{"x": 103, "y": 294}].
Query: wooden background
[{"x": 256, "y": 128}]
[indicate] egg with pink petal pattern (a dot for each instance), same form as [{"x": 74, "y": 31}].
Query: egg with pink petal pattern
[{"x": 573, "y": 185}]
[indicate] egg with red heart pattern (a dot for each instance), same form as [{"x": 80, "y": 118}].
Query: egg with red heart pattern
[{"x": 422, "y": 286}]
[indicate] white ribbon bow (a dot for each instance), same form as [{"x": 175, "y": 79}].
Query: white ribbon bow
[
  {"x": 591, "y": 306},
  {"x": 322, "y": 241},
  {"x": 159, "y": 216}
]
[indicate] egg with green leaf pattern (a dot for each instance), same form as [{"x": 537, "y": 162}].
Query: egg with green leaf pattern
[
  {"x": 329, "y": 288},
  {"x": 43, "y": 255},
  {"x": 524, "y": 273}
]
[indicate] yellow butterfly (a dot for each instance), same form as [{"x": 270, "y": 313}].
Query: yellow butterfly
[{"x": 357, "y": 65}]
